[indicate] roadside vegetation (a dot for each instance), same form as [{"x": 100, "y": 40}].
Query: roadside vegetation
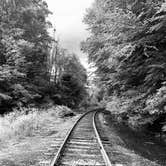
[
  {"x": 25, "y": 138},
  {"x": 17, "y": 125},
  {"x": 127, "y": 46}
]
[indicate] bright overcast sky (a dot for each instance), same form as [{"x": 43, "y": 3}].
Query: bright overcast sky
[{"x": 67, "y": 18}]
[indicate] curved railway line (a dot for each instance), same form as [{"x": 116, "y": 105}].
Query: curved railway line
[{"x": 83, "y": 145}]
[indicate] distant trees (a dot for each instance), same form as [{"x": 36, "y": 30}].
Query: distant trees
[
  {"x": 70, "y": 77},
  {"x": 127, "y": 46},
  {"x": 25, "y": 45}
]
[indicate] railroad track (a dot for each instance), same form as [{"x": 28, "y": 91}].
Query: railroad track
[{"x": 83, "y": 145}]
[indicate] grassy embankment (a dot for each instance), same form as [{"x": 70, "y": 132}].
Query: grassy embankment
[{"x": 24, "y": 137}]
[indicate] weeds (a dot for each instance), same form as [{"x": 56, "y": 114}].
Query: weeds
[{"x": 19, "y": 124}]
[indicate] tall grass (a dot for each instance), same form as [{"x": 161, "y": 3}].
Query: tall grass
[{"x": 20, "y": 124}]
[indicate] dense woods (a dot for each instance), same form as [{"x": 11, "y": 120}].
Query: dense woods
[
  {"x": 127, "y": 46},
  {"x": 44, "y": 88},
  {"x": 33, "y": 67}
]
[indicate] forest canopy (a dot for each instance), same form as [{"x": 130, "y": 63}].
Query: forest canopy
[
  {"x": 127, "y": 45},
  {"x": 27, "y": 56}
]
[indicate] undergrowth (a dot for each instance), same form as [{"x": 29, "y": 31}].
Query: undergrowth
[
  {"x": 140, "y": 110},
  {"x": 19, "y": 124}
]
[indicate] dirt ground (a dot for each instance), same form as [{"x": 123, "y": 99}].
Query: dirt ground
[{"x": 130, "y": 148}]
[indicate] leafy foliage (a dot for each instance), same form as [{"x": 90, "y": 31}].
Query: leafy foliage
[
  {"x": 25, "y": 55},
  {"x": 24, "y": 47},
  {"x": 127, "y": 45},
  {"x": 69, "y": 76}
]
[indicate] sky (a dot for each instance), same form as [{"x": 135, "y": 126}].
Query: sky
[{"x": 67, "y": 18}]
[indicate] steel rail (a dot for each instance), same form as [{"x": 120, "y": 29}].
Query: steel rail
[
  {"x": 103, "y": 152},
  {"x": 56, "y": 158}
]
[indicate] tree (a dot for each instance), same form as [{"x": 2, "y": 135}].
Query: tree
[
  {"x": 127, "y": 47},
  {"x": 29, "y": 57},
  {"x": 24, "y": 48},
  {"x": 70, "y": 77}
]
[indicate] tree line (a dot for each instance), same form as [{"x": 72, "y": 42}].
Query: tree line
[
  {"x": 127, "y": 46},
  {"x": 32, "y": 66}
]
